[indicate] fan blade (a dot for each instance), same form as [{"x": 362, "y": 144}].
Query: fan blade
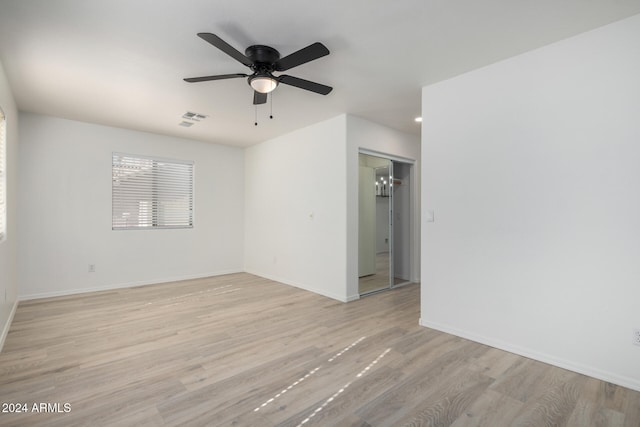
[
  {"x": 259, "y": 98},
  {"x": 304, "y": 55},
  {"x": 218, "y": 77},
  {"x": 226, "y": 48},
  {"x": 305, "y": 84}
]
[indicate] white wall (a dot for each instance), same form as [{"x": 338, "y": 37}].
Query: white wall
[
  {"x": 532, "y": 168},
  {"x": 8, "y": 269},
  {"x": 313, "y": 170},
  {"x": 65, "y": 211},
  {"x": 288, "y": 223},
  {"x": 364, "y": 134},
  {"x": 295, "y": 197}
]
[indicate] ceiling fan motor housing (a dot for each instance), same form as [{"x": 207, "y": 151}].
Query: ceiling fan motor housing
[{"x": 263, "y": 57}]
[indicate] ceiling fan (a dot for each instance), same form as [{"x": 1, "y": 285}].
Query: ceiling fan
[{"x": 264, "y": 60}]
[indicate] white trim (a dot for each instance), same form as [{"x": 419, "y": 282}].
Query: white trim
[
  {"x": 415, "y": 214},
  {"x": 150, "y": 193},
  {"x": 177, "y": 279},
  {"x": 387, "y": 156},
  {"x": 148, "y": 157},
  {"x": 542, "y": 357},
  {"x": 352, "y": 298},
  {"x": 123, "y": 285},
  {"x": 7, "y": 326},
  {"x": 340, "y": 298},
  {"x": 4, "y": 141}
]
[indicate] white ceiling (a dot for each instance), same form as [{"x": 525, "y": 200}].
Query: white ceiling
[{"x": 121, "y": 62}]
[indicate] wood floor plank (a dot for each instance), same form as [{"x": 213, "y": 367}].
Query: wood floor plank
[
  {"x": 555, "y": 404},
  {"x": 490, "y": 409},
  {"x": 521, "y": 381},
  {"x": 587, "y": 414},
  {"x": 341, "y": 410},
  {"x": 449, "y": 402},
  {"x": 494, "y": 362},
  {"x": 211, "y": 351},
  {"x": 410, "y": 397}
]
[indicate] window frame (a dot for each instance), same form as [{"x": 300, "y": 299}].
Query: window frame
[
  {"x": 3, "y": 175},
  {"x": 161, "y": 209}
]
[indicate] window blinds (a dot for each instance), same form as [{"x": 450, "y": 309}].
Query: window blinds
[
  {"x": 151, "y": 192},
  {"x": 3, "y": 176}
]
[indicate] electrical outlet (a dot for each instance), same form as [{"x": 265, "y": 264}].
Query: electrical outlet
[
  {"x": 636, "y": 336},
  {"x": 92, "y": 268}
]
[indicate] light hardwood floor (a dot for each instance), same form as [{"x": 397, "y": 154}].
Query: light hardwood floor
[{"x": 239, "y": 350}]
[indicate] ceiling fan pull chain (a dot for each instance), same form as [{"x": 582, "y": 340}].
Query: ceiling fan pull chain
[
  {"x": 256, "y": 117},
  {"x": 271, "y": 105}
]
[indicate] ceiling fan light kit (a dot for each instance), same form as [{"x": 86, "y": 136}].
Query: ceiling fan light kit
[
  {"x": 263, "y": 61},
  {"x": 263, "y": 84}
]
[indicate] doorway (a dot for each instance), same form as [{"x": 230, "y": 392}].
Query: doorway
[{"x": 384, "y": 212}]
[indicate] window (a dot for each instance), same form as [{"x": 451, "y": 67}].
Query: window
[
  {"x": 3, "y": 176},
  {"x": 151, "y": 193}
]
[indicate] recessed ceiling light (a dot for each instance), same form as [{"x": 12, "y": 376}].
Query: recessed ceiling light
[
  {"x": 418, "y": 119},
  {"x": 185, "y": 124}
]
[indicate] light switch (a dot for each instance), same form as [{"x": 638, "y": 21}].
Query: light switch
[{"x": 430, "y": 216}]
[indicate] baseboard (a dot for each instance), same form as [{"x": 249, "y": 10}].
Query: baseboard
[
  {"x": 542, "y": 357},
  {"x": 178, "y": 278},
  {"x": 123, "y": 285},
  {"x": 305, "y": 287},
  {"x": 352, "y": 298},
  {"x": 7, "y": 326}
]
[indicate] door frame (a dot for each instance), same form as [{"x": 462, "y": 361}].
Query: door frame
[{"x": 412, "y": 205}]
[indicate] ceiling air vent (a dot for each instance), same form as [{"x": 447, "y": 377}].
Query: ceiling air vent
[{"x": 193, "y": 116}]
